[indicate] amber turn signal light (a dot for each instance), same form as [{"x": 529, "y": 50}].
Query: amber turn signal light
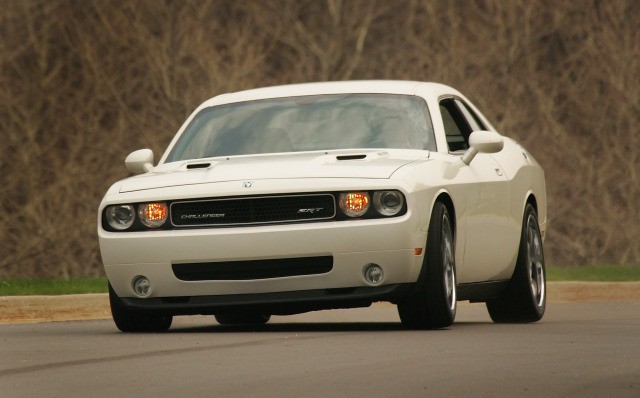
[
  {"x": 153, "y": 215},
  {"x": 354, "y": 204}
]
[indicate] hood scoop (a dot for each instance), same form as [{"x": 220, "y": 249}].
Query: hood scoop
[
  {"x": 351, "y": 157},
  {"x": 193, "y": 166}
]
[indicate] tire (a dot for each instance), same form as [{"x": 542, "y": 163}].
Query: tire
[
  {"x": 524, "y": 299},
  {"x": 433, "y": 304},
  {"x": 243, "y": 318},
  {"x": 136, "y": 321}
]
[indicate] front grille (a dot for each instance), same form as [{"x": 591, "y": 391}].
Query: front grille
[
  {"x": 252, "y": 210},
  {"x": 253, "y": 269}
]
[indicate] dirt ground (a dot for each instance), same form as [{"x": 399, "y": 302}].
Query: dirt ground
[{"x": 34, "y": 309}]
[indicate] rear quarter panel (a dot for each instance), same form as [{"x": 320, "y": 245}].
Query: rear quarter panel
[{"x": 527, "y": 180}]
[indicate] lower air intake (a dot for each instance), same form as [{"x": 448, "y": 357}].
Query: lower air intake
[{"x": 253, "y": 269}]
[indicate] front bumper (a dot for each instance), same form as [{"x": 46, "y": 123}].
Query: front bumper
[
  {"x": 279, "y": 303},
  {"x": 353, "y": 244}
]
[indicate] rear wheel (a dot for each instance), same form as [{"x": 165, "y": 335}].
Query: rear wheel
[
  {"x": 243, "y": 318},
  {"x": 433, "y": 305},
  {"x": 136, "y": 321},
  {"x": 524, "y": 299}
]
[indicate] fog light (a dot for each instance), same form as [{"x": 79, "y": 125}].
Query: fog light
[
  {"x": 142, "y": 286},
  {"x": 374, "y": 274}
]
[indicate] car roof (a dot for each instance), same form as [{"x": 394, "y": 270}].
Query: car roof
[{"x": 340, "y": 87}]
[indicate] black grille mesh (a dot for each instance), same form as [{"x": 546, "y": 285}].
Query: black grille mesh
[
  {"x": 256, "y": 210},
  {"x": 253, "y": 269}
]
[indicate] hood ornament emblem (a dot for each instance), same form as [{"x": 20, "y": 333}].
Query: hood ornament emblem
[{"x": 247, "y": 184}]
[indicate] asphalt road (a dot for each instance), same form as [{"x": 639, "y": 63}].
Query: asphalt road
[{"x": 578, "y": 349}]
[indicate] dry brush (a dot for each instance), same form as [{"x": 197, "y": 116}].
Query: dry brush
[{"x": 83, "y": 83}]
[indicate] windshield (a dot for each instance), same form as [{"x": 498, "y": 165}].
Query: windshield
[{"x": 309, "y": 123}]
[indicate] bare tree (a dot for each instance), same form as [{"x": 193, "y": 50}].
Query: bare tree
[{"x": 83, "y": 83}]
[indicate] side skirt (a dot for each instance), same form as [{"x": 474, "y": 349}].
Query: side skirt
[{"x": 481, "y": 291}]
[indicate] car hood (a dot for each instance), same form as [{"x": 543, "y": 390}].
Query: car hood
[{"x": 331, "y": 164}]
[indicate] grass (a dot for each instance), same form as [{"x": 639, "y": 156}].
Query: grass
[
  {"x": 30, "y": 287},
  {"x": 595, "y": 273}
]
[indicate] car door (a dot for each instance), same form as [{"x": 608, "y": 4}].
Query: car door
[{"x": 484, "y": 190}]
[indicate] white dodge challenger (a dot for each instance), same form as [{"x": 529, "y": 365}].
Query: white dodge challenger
[{"x": 305, "y": 197}]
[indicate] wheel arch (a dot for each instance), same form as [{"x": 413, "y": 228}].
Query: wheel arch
[
  {"x": 445, "y": 199},
  {"x": 541, "y": 217},
  {"x": 531, "y": 199}
]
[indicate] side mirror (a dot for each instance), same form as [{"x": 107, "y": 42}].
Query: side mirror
[
  {"x": 140, "y": 161},
  {"x": 482, "y": 142}
]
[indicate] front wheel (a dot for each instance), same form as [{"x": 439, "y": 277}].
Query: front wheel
[
  {"x": 524, "y": 299},
  {"x": 136, "y": 321},
  {"x": 433, "y": 305}
]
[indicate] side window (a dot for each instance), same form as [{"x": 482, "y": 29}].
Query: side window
[
  {"x": 472, "y": 118},
  {"x": 456, "y": 127}
]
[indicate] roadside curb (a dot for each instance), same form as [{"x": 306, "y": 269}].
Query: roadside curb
[
  {"x": 78, "y": 307},
  {"x": 593, "y": 291},
  {"x": 34, "y": 309}
]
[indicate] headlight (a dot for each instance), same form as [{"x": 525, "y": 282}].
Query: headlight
[
  {"x": 120, "y": 217},
  {"x": 153, "y": 215},
  {"x": 388, "y": 203},
  {"x": 354, "y": 204}
]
